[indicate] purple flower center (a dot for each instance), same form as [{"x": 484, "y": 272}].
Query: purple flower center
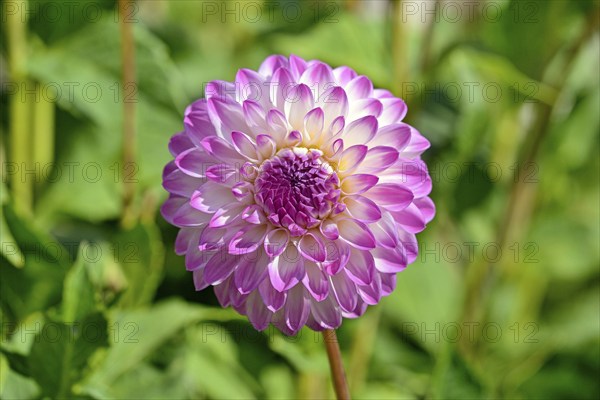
[{"x": 297, "y": 189}]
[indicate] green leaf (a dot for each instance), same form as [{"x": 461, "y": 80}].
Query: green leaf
[
  {"x": 9, "y": 249},
  {"x": 473, "y": 188},
  {"x": 61, "y": 351},
  {"x": 427, "y": 296},
  {"x": 278, "y": 382},
  {"x": 141, "y": 256},
  {"x": 364, "y": 46},
  {"x": 79, "y": 293},
  {"x": 38, "y": 284},
  {"x": 136, "y": 335},
  {"x": 304, "y": 351},
  {"x": 14, "y": 385},
  {"x": 86, "y": 70}
]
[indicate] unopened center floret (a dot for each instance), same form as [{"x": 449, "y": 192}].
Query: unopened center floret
[{"x": 297, "y": 189}]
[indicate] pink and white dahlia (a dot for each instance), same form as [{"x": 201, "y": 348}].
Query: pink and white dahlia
[{"x": 298, "y": 190}]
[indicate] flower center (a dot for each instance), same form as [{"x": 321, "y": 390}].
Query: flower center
[{"x": 297, "y": 189}]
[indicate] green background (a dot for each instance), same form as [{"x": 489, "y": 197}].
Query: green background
[{"x": 502, "y": 302}]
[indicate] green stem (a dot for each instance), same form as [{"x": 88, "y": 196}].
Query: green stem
[
  {"x": 129, "y": 131},
  {"x": 19, "y": 130},
  {"x": 521, "y": 197},
  {"x": 399, "y": 59},
  {"x": 43, "y": 131},
  {"x": 362, "y": 349}
]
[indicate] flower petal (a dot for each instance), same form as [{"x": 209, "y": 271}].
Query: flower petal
[
  {"x": 219, "y": 267},
  {"x": 254, "y": 214},
  {"x": 199, "y": 282},
  {"x": 338, "y": 253},
  {"x": 427, "y": 208},
  {"x": 359, "y": 183},
  {"x": 258, "y": 314},
  {"x": 276, "y": 242},
  {"x": 385, "y": 231},
  {"x": 326, "y": 313},
  {"x": 179, "y": 143},
  {"x": 251, "y": 271},
  {"x": 248, "y": 239},
  {"x": 196, "y": 259},
  {"x": 185, "y": 238},
  {"x": 194, "y": 162},
  {"x": 227, "y": 116},
  {"x": 351, "y": 159},
  {"x": 360, "y": 267},
  {"x": 186, "y": 215},
  {"x": 250, "y": 87},
  {"x": 227, "y": 215},
  {"x": 344, "y": 290},
  {"x": 329, "y": 229},
  {"x": 312, "y": 248},
  {"x": 266, "y": 146},
  {"x": 394, "y": 110},
  {"x": 255, "y": 115},
  {"x": 334, "y": 103},
  {"x": 271, "y": 64},
  {"x": 298, "y": 102},
  {"x": 411, "y": 173},
  {"x": 363, "y": 107},
  {"x": 371, "y": 293},
  {"x": 221, "y": 173},
  {"x": 356, "y": 233},
  {"x": 416, "y": 146},
  {"x": 362, "y": 208},
  {"x": 410, "y": 218},
  {"x": 392, "y": 196},
  {"x": 359, "y": 88},
  {"x": 222, "y": 150},
  {"x": 181, "y": 184},
  {"x": 313, "y": 125},
  {"x": 211, "y": 239},
  {"x": 360, "y": 131},
  {"x": 379, "y": 159},
  {"x": 273, "y": 299},
  {"x": 287, "y": 269},
  {"x": 297, "y": 308},
  {"x": 297, "y": 66},
  {"x": 343, "y": 75},
  {"x": 211, "y": 196},
  {"x": 244, "y": 145},
  {"x": 396, "y": 135},
  {"x": 318, "y": 76},
  {"x": 389, "y": 260},
  {"x": 315, "y": 281},
  {"x": 388, "y": 283},
  {"x": 281, "y": 83},
  {"x": 197, "y": 122}
]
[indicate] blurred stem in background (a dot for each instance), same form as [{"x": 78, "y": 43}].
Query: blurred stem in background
[
  {"x": 43, "y": 132},
  {"x": 129, "y": 130},
  {"x": 362, "y": 349},
  {"x": 522, "y": 195},
  {"x": 20, "y": 125},
  {"x": 428, "y": 40},
  {"x": 400, "y": 66}
]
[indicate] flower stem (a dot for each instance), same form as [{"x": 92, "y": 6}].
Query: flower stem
[
  {"x": 19, "y": 151},
  {"x": 129, "y": 82},
  {"x": 338, "y": 375}
]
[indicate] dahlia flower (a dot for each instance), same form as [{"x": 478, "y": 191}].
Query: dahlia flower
[{"x": 298, "y": 190}]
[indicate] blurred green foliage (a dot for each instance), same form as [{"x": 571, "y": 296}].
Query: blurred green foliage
[{"x": 503, "y": 301}]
